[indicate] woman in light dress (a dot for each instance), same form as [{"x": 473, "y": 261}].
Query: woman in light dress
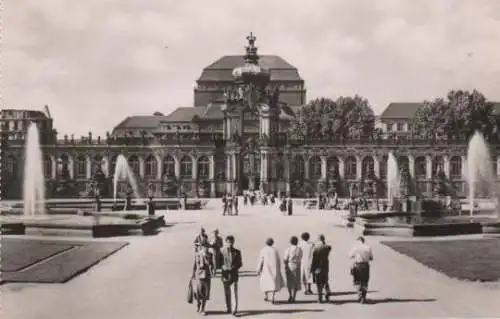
[
  {"x": 269, "y": 270},
  {"x": 292, "y": 260}
]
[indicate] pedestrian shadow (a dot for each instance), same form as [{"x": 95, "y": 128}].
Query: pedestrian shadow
[
  {"x": 383, "y": 300},
  {"x": 245, "y": 313},
  {"x": 297, "y": 302},
  {"x": 345, "y": 293}
]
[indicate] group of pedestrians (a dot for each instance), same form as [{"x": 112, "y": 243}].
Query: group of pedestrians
[
  {"x": 230, "y": 205},
  {"x": 212, "y": 257},
  {"x": 305, "y": 263}
]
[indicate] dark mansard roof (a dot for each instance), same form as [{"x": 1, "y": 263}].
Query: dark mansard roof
[{"x": 221, "y": 70}]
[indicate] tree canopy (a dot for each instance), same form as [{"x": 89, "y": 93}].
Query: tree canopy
[
  {"x": 346, "y": 117},
  {"x": 456, "y": 117}
]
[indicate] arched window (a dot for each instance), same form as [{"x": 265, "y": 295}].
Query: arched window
[
  {"x": 315, "y": 167},
  {"x": 63, "y": 167},
  {"x": 456, "y": 167},
  {"x": 421, "y": 167},
  {"x": 186, "y": 167},
  {"x": 47, "y": 167},
  {"x": 151, "y": 167},
  {"x": 203, "y": 167},
  {"x": 437, "y": 165},
  {"x": 403, "y": 163},
  {"x": 168, "y": 165},
  {"x": 350, "y": 167},
  {"x": 81, "y": 167},
  {"x": 247, "y": 164},
  {"x": 133, "y": 162},
  {"x": 332, "y": 167},
  {"x": 368, "y": 167},
  {"x": 96, "y": 164},
  {"x": 298, "y": 166},
  {"x": 11, "y": 167}
]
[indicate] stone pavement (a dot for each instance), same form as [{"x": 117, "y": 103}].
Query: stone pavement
[{"x": 148, "y": 278}]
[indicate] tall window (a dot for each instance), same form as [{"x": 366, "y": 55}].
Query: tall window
[
  {"x": 437, "y": 164},
  {"x": 298, "y": 166},
  {"x": 350, "y": 167},
  {"x": 96, "y": 164},
  {"x": 133, "y": 162},
  {"x": 456, "y": 167},
  {"x": 168, "y": 165},
  {"x": 421, "y": 167},
  {"x": 151, "y": 167},
  {"x": 203, "y": 167},
  {"x": 333, "y": 166},
  {"x": 315, "y": 167},
  {"x": 81, "y": 167},
  {"x": 368, "y": 167},
  {"x": 186, "y": 167},
  {"x": 11, "y": 167},
  {"x": 47, "y": 167},
  {"x": 403, "y": 163}
]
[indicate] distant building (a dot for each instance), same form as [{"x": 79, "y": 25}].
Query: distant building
[
  {"x": 234, "y": 138},
  {"x": 14, "y": 124}
]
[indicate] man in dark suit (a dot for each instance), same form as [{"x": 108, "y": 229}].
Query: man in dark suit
[
  {"x": 231, "y": 264},
  {"x": 320, "y": 267}
]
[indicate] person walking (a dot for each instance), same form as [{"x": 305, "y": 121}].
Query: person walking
[
  {"x": 203, "y": 271},
  {"x": 200, "y": 238},
  {"x": 269, "y": 271},
  {"x": 216, "y": 244},
  {"x": 235, "y": 204},
  {"x": 224, "y": 204},
  {"x": 292, "y": 259},
  {"x": 320, "y": 267},
  {"x": 305, "y": 264},
  {"x": 232, "y": 262},
  {"x": 290, "y": 206},
  {"x": 362, "y": 255},
  {"x": 230, "y": 204}
]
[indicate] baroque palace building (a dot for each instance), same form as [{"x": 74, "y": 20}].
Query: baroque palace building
[{"x": 235, "y": 138}]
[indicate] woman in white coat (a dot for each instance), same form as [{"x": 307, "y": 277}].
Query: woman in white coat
[{"x": 269, "y": 270}]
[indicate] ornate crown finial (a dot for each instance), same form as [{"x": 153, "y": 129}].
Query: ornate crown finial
[
  {"x": 251, "y": 39},
  {"x": 251, "y": 50}
]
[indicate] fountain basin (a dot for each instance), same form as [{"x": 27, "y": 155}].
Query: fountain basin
[
  {"x": 85, "y": 226},
  {"x": 410, "y": 226}
]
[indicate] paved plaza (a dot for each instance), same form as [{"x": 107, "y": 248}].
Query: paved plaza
[{"x": 148, "y": 278}]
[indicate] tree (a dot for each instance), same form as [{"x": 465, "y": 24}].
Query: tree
[
  {"x": 457, "y": 117},
  {"x": 347, "y": 117}
]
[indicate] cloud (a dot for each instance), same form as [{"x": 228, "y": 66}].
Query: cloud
[{"x": 95, "y": 62}]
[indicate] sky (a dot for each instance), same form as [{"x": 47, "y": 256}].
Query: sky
[{"x": 95, "y": 62}]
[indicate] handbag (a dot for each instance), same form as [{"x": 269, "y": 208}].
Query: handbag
[{"x": 190, "y": 293}]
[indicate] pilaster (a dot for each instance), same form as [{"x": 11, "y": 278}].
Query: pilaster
[
  {"x": 376, "y": 167},
  {"x": 446, "y": 162},
  {"x": 411, "y": 166},
  {"x": 88, "y": 167},
  {"x": 323, "y": 167}
]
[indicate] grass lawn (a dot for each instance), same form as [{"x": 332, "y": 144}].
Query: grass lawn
[
  {"x": 477, "y": 259},
  {"x": 45, "y": 261}
]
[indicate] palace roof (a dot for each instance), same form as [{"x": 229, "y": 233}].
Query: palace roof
[
  {"x": 406, "y": 110},
  {"x": 221, "y": 70}
]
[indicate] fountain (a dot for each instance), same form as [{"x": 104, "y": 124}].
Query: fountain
[
  {"x": 123, "y": 172},
  {"x": 479, "y": 169},
  {"x": 393, "y": 180},
  {"x": 34, "y": 184}
]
